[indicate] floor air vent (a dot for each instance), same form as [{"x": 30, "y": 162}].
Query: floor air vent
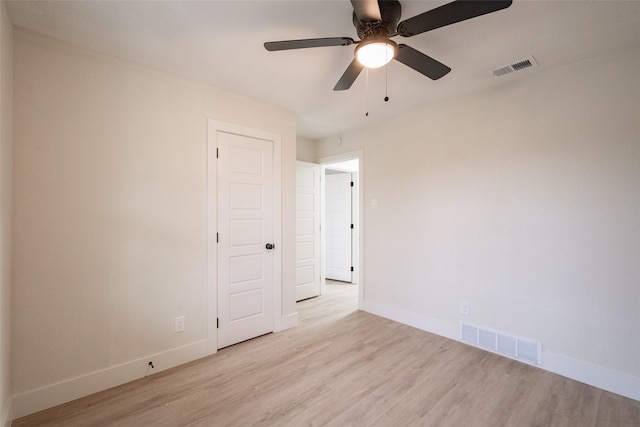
[
  {"x": 497, "y": 342},
  {"x": 523, "y": 64}
]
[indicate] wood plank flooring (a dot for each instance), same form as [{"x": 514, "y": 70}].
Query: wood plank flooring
[{"x": 343, "y": 367}]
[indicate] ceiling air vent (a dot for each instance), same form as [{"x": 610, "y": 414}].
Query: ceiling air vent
[{"x": 523, "y": 64}]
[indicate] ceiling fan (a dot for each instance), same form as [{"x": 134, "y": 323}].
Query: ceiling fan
[{"x": 376, "y": 21}]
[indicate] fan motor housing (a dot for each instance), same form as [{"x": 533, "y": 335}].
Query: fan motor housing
[{"x": 390, "y": 11}]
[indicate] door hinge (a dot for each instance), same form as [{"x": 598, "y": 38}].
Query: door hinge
[
  {"x": 351, "y": 268},
  {"x": 217, "y": 323},
  {"x": 217, "y": 154},
  {"x": 352, "y": 226},
  {"x": 217, "y": 238},
  {"x": 352, "y": 183}
]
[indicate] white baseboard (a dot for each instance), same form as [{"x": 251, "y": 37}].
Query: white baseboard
[
  {"x": 606, "y": 379},
  {"x": 429, "y": 324},
  {"x": 75, "y": 388},
  {"x": 288, "y": 321},
  {"x": 65, "y": 391},
  {"x": 7, "y": 415}
]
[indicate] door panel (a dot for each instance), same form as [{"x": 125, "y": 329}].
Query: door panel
[
  {"x": 245, "y": 224},
  {"x": 245, "y": 268},
  {"x": 338, "y": 233},
  {"x": 307, "y": 230},
  {"x": 245, "y": 196},
  {"x": 245, "y": 304},
  {"x": 244, "y": 232}
]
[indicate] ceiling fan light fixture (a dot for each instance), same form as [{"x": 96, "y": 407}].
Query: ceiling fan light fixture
[{"x": 376, "y": 53}]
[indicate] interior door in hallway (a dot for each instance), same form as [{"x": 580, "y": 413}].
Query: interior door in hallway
[
  {"x": 307, "y": 230},
  {"x": 245, "y": 238},
  {"x": 338, "y": 226}
]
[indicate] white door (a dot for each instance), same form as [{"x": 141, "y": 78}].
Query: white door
[
  {"x": 245, "y": 230},
  {"x": 307, "y": 230},
  {"x": 338, "y": 226}
]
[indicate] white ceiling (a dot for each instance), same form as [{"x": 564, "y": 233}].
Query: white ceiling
[{"x": 220, "y": 43}]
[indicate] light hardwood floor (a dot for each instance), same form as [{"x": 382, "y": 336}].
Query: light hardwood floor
[{"x": 343, "y": 367}]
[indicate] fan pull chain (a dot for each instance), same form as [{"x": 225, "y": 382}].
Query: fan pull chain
[
  {"x": 366, "y": 76},
  {"x": 386, "y": 82}
]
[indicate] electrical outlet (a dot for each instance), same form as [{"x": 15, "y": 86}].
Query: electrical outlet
[
  {"x": 464, "y": 308},
  {"x": 178, "y": 324}
]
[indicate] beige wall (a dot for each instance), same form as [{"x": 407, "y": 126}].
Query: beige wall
[
  {"x": 524, "y": 201},
  {"x": 6, "y": 101},
  {"x": 306, "y": 150},
  {"x": 111, "y": 210}
]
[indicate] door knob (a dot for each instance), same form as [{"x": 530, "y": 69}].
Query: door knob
[{"x": 269, "y": 246}]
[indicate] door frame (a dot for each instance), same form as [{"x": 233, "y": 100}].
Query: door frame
[
  {"x": 359, "y": 186},
  {"x": 213, "y": 127}
]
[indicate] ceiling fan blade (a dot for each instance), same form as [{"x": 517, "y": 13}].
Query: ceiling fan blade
[
  {"x": 300, "y": 44},
  {"x": 450, "y": 13},
  {"x": 421, "y": 63},
  {"x": 350, "y": 75},
  {"x": 367, "y": 10}
]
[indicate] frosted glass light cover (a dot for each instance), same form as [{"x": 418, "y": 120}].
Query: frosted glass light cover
[{"x": 375, "y": 55}]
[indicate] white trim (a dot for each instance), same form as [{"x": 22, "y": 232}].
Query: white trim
[
  {"x": 84, "y": 385},
  {"x": 288, "y": 321},
  {"x": 7, "y": 415},
  {"x": 324, "y": 161},
  {"x": 212, "y": 247},
  {"x": 429, "y": 324},
  {"x": 606, "y": 379},
  {"x": 213, "y": 126},
  {"x": 277, "y": 231}
]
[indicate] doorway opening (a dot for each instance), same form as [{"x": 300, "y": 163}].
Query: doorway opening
[
  {"x": 329, "y": 218},
  {"x": 340, "y": 210},
  {"x": 341, "y": 221}
]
